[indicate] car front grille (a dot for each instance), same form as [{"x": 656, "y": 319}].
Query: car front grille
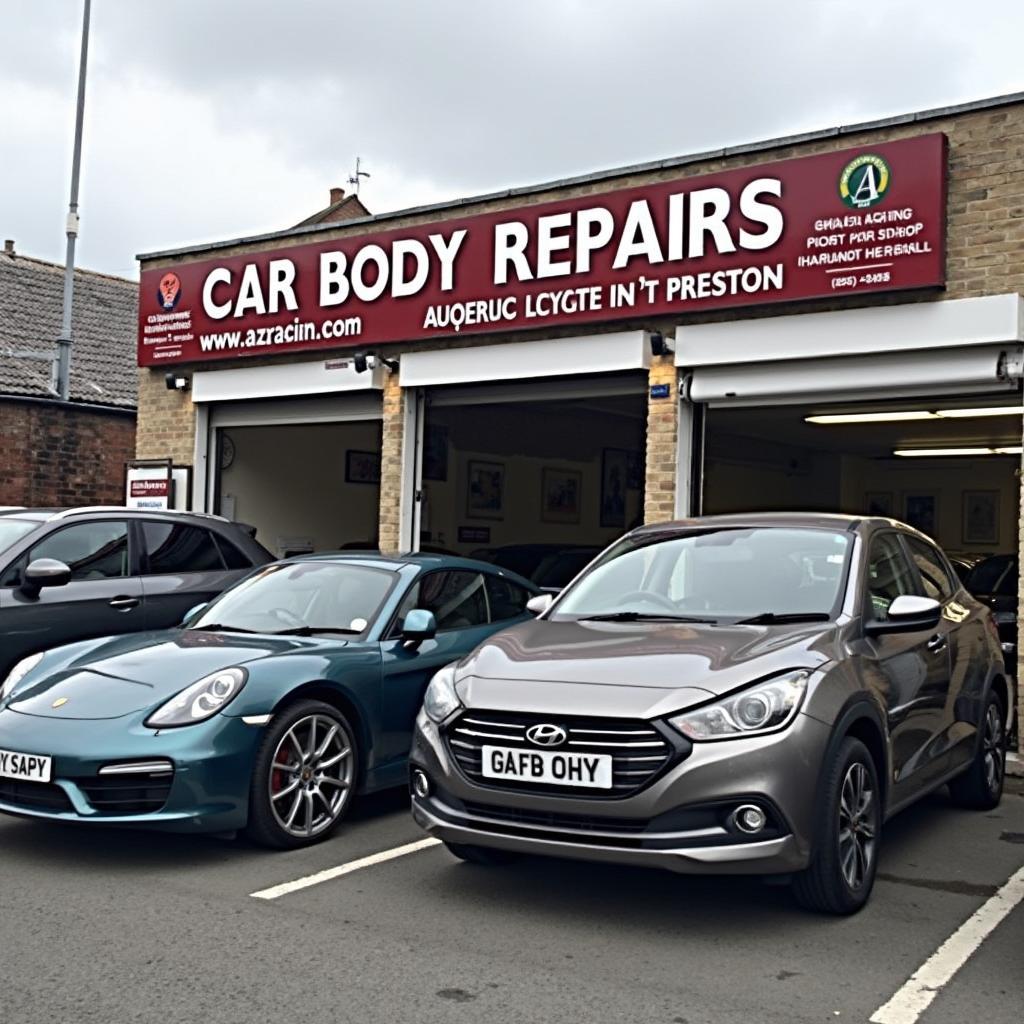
[
  {"x": 639, "y": 750},
  {"x": 36, "y": 796},
  {"x": 126, "y": 794}
]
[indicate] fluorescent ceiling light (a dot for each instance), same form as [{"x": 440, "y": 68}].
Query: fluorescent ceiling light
[
  {"x": 996, "y": 410},
  {"x": 896, "y": 416},
  {"x": 871, "y": 417},
  {"x": 910, "y": 453}
]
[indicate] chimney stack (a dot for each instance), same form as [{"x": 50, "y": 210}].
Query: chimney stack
[
  {"x": 8, "y": 246},
  {"x": 337, "y": 194}
]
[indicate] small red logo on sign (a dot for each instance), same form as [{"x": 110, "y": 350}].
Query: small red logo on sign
[{"x": 169, "y": 291}]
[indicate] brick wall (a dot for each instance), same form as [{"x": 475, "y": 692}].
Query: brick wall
[
  {"x": 167, "y": 421},
  {"x": 60, "y": 455},
  {"x": 391, "y": 464},
  {"x": 662, "y": 440}
]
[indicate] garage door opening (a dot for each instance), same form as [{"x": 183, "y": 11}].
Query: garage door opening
[
  {"x": 305, "y": 487},
  {"x": 949, "y": 467},
  {"x": 539, "y": 486}
]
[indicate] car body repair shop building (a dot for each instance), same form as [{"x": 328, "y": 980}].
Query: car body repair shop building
[{"x": 831, "y": 321}]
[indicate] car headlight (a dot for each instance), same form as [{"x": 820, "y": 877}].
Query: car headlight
[
  {"x": 762, "y": 708},
  {"x": 19, "y": 672},
  {"x": 441, "y": 700},
  {"x": 201, "y": 700}
]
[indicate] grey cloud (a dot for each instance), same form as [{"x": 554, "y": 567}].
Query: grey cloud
[{"x": 253, "y": 108}]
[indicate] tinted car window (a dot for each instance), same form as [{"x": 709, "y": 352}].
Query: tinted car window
[
  {"x": 937, "y": 582},
  {"x": 93, "y": 551},
  {"x": 507, "y": 600},
  {"x": 889, "y": 574},
  {"x": 175, "y": 547},
  {"x": 994, "y": 576},
  {"x": 233, "y": 558},
  {"x": 456, "y": 599}
]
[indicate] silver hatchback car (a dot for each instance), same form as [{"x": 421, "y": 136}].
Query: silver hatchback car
[{"x": 733, "y": 694}]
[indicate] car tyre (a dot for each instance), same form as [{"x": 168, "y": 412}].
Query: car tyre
[
  {"x": 841, "y": 874},
  {"x": 981, "y": 786},
  {"x": 483, "y": 855},
  {"x": 303, "y": 777}
]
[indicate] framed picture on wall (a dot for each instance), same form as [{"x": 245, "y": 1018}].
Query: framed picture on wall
[
  {"x": 362, "y": 467},
  {"x": 635, "y": 471},
  {"x": 614, "y": 476},
  {"x": 921, "y": 512},
  {"x": 981, "y": 517},
  {"x": 879, "y": 503},
  {"x": 560, "y": 495},
  {"x": 485, "y": 490},
  {"x": 435, "y": 453}
]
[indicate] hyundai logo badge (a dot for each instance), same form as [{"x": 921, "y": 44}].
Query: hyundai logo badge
[{"x": 547, "y": 735}]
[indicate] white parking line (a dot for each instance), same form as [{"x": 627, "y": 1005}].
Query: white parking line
[
  {"x": 276, "y": 891},
  {"x": 907, "y": 1005}
]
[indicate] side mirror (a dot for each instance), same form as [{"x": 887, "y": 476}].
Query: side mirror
[
  {"x": 193, "y": 612},
  {"x": 540, "y": 604},
  {"x": 419, "y": 625},
  {"x": 44, "y": 572},
  {"x": 907, "y": 614}
]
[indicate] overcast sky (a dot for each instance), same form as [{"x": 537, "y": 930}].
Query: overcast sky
[{"x": 210, "y": 119}]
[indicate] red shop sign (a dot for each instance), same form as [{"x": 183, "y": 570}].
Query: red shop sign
[{"x": 870, "y": 219}]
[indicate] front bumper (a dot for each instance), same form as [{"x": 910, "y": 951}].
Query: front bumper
[
  {"x": 676, "y": 822},
  {"x": 209, "y": 790}
]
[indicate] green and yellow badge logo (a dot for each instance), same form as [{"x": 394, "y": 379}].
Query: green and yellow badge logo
[{"x": 864, "y": 181}]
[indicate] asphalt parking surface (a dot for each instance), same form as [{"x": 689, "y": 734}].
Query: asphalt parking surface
[{"x": 124, "y": 926}]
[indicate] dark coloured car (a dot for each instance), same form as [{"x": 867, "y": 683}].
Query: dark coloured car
[
  {"x": 995, "y": 581},
  {"x": 267, "y": 711},
  {"x": 734, "y": 694},
  {"x": 73, "y": 574},
  {"x": 550, "y": 566}
]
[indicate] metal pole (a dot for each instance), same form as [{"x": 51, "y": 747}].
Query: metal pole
[{"x": 63, "y": 367}]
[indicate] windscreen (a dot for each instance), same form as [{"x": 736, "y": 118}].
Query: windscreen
[
  {"x": 313, "y": 595},
  {"x": 12, "y": 530},
  {"x": 719, "y": 574}
]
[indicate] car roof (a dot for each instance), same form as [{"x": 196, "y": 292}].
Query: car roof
[
  {"x": 45, "y": 515},
  {"x": 813, "y": 519},
  {"x": 422, "y": 559}
]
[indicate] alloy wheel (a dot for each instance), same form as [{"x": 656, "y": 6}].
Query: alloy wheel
[
  {"x": 857, "y": 825},
  {"x": 310, "y": 779},
  {"x": 992, "y": 748}
]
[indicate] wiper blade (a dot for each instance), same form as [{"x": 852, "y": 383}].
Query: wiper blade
[
  {"x": 772, "y": 618},
  {"x": 313, "y": 630},
  {"x": 644, "y": 617},
  {"x": 219, "y": 627}
]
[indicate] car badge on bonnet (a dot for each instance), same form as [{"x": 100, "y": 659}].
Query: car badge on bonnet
[
  {"x": 59, "y": 702},
  {"x": 546, "y": 735}
]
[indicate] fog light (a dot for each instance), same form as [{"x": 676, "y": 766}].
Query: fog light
[
  {"x": 420, "y": 784},
  {"x": 750, "y": 819}
]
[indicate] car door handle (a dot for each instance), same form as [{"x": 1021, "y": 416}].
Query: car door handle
[
  {"x": 124, "y": 604},
  {"x": 937, "y": 643}
]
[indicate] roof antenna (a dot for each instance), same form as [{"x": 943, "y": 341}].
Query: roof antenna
[{"x": 355, "y": 179}]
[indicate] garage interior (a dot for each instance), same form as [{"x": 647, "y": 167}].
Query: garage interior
[
  {"x": 305, "y": 487},
  {"x": 965, "y": 492},
  {"x": 555, "y": 474}
]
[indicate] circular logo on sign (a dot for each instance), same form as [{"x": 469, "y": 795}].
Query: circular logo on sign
[
  {"x": 169, "y": 291},
  {"x": 864, "y": 181}
]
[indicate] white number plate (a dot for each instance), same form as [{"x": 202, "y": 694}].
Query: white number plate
[
  {"x": 554, "y": 767},
  {"x": 28, "y": 767}
]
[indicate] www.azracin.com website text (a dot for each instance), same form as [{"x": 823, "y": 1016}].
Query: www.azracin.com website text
[{"x": 285, "y": 334}]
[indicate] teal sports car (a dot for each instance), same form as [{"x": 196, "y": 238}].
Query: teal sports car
[{"x": 267, "y": 711}]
